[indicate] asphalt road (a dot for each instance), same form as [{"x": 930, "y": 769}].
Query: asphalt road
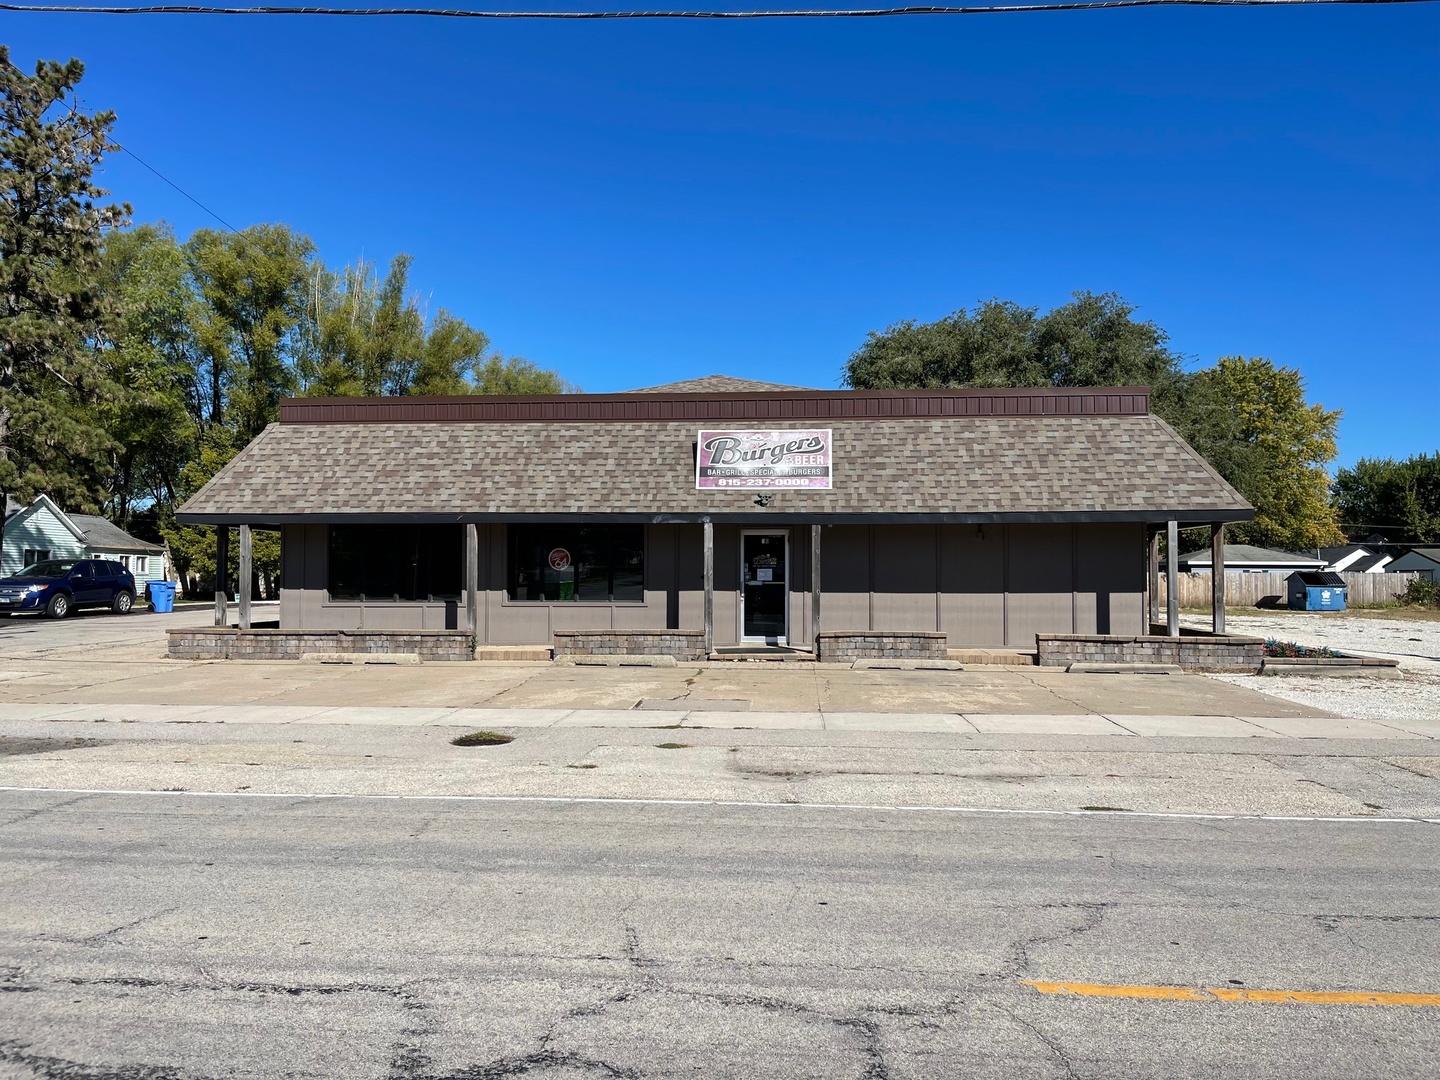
[{"x": 179, "y": 937}]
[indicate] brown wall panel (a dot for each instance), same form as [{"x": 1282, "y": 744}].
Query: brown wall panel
[
  {"x": 904, "y": 577},
  {"x": 845, "y": 578},
  {"x": 1110, "y": 583},
  {"x": 1040, "y": 583},
  {"x": 972, "y": 585}
]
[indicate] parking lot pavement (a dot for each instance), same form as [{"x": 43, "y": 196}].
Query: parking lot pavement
[{"x": 108, "y": 659}]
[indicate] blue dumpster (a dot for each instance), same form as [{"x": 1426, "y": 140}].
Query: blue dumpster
[
  {"x": 1315, "y": 590},
  {"x": 162, "y": 595}
]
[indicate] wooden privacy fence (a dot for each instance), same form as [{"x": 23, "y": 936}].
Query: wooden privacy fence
[{"x": 1268, "y": 590}]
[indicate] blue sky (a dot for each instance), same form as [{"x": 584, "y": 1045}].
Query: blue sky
[{"x": 635, "y": 202}]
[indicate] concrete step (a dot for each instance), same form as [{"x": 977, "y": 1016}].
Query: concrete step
[
  {"x": 512, "y": 652},
  {"x": 1011, "y": 657}
]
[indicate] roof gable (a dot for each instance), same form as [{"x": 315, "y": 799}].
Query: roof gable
[{"x": 715, "y": 384}]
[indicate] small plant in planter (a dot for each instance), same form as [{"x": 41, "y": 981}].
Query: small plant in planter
[
  {"x": 1288, "y": 650},
  {"x": 482, "y": 738}
]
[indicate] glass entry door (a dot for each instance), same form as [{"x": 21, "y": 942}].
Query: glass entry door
[{"x": 764, "y": 587}]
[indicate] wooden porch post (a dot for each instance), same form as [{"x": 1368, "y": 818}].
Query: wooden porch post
[
  {"x": 472, "y": 579},
  {"x": 1172, "y": 579},
  {"x": 1152, "y": 613},
  {"x": 1217, "y": 578},
  {"x": 222, "y": 563},
  {"x": 243, "y": 585},
  {"x": 709, "y": 587},
  {"x": 815, "y": 588}
]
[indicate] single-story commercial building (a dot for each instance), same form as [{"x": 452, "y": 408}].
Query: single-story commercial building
[{"x": 730, "y": 511}]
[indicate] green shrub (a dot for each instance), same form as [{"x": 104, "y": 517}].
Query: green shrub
[{"x": 1421, "y": 592}]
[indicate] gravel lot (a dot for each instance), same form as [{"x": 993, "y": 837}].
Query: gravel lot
[{"x": 1411, "y": 638}]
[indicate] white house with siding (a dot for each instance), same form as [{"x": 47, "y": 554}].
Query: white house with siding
[{"x": 43, "y": 531}]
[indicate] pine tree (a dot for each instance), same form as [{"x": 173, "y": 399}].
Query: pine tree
[{"x": 52, "y": 227}]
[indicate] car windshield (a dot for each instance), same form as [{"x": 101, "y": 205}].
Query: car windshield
[{"x": 53, "y": 568}]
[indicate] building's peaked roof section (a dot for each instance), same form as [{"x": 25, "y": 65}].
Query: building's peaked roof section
[
  {"x": 717, "y": 384},
  {"x": 1044, "y": 468},
  {"x": 1239, "y": 554},
  {"x": 103, "y": 534}
]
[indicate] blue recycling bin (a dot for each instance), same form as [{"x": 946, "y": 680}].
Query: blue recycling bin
[{"x": 162, "y": 596}]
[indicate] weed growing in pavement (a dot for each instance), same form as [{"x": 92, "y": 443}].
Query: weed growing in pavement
[{"x": 482, "y": 738}]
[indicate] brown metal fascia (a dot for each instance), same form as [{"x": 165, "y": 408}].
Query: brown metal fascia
[{"x": 817, "y": 405}]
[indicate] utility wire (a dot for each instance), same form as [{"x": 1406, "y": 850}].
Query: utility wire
[
  {"x": 821, "y": 13},
  {"x": 177, "y": 187}
]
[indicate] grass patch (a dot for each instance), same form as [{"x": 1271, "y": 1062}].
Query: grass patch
[
  {"x": 482, "y": 738},
  {"x": 672, "y": 746}
]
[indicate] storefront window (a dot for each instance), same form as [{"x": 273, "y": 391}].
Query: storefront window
[
  {"x": 395, "y": 562},
  {"x": 598, "y": 564}
]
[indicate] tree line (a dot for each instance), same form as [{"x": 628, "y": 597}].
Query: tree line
[
  {"x": 1247, "y": 416},
  {"x": 135, "y": 364}
]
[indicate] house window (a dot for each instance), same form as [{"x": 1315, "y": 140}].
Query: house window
[
  {"x": 136, "y": 564},
  {"x": 598, "y": 564},
  {"x": 391, "y": 563},
  {"x": 34, "y": 555}
]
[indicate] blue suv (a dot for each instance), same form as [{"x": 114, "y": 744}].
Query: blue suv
[{"x": 59, "y": 586}]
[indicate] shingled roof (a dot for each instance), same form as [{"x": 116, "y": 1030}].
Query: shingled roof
[{"x": 1036, "y": 467}]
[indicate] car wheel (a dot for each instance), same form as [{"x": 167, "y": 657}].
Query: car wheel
[
  {"x": 123, "y": 603},
  {"x": 58, "y": 607}
]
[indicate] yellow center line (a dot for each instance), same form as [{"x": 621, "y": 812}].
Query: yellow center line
[{"x": 1231, "y": 993}]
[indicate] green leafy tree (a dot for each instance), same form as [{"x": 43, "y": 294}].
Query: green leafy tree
[
  {"x": 368, "y": 336},
  {"x": 1248, "y": 418},
  {"x": 52, "y": 226},
  {"x": 1091, "y": 341},
  {"x": 251, "y": 286},
  {"x": 1400, "y": 500},
  {"x": 1272, "y": 445},
  {"x": 150, "y": 349}
]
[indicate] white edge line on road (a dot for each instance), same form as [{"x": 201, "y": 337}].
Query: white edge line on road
[{"x": 726, "y": 803}]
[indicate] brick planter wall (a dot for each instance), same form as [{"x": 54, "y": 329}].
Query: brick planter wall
[
  {"x": 227, "y": 643},
  {"x": 681, "y": 644},
  {"x": 845, "y": 646},
  {"x": 1193, "y": 652}
]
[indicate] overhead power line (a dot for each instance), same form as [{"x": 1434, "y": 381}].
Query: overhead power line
[
  {"x": 177, "y": 187},
  {"x": 821, "y": 13}
]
